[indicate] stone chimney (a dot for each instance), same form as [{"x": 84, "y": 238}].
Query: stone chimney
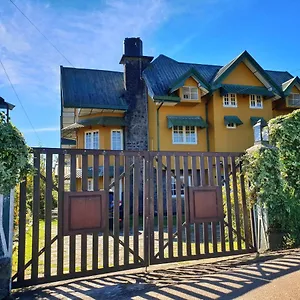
[{"x": 136, "y": 132}]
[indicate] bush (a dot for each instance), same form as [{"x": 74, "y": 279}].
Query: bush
[{"x": 14, "y": 156}]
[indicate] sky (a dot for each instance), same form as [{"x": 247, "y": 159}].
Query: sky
[{"x": 90, "y": 34}]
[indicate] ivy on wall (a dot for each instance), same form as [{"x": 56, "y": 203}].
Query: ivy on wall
[
  {"x": 262, "y": 170},
  {"x": 14, "y": 156}
]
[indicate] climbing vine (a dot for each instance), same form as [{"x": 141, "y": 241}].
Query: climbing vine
[
  {"x": 262, "y": 170},
  {"x": 14, "y": 156}
]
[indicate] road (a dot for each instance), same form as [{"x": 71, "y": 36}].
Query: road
[{"x": 271, "y": 276}]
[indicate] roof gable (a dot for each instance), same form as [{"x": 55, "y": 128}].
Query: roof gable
[
  {"x": 252, "y": 65},
  {"x": 288, "y": 85},
  {"x": 190, "y": 73},
  {"x": 87, "y": 88}
]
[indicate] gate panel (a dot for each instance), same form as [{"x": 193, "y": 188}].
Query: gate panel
[
  {"x": 176, "y": 238},
  {"x": 44, "y": 253}
]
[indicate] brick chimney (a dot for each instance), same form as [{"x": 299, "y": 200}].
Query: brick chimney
[{"x": 136, "y": 132}]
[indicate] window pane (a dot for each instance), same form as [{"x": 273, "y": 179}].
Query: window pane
[
  {"x": 96, "y": 140},
  {"x": 190, "y": 134},
  {"x": 178, "y": 136},
  {"x": 116, "y": 140},
  {"x": 88, "y": 140}
]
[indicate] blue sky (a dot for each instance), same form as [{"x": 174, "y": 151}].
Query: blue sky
[{"x": 90, "y": 34}]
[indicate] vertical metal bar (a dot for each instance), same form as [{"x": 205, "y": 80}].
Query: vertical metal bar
[
  {"x": 136, "y": 192},
  {"x": 146, "y": 208},
  {"x": 48, "y": 215},
  {"x": 36, "y": 216},
  {"x": 96, "y": 188},
  {"x": 245, "y": 209},
  {"x": 126, "y": 209},
  {"x": 212, "y": 183},
  {"x": 236, "y": 203},
  {"x": 196, "y": 226},
  {"x": 84, "y": 183},
  {"x": 220, "y": 183},
  {"x": 60, "y": 236},
  {"x": 22, "y": 230},
  {"x": 228, "y": 202},
  {"x": 151, "y": 207},
  {"x": 116, "y": 214},
  {"x": 205, "y": 224},
  {"x": 178, "y": 205},
  {"x": 186, "y": 205},
  {"x": 106, "y": 230},
  {"x": 169, "y": 207},
  {"x": 160, "y": 206},
  {"x": 72, "y": 246}
]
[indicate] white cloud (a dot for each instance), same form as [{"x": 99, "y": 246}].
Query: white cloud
[
  {"x": 45, "y": 129},
  {"x": 89, "y": 39}
]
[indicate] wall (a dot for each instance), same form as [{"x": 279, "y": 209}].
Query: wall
[
  {"x": 181, "y": 109},
  {"x": 241, "y": 138}
]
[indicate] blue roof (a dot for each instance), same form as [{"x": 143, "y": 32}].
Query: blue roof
[
  {"x": 87, "y": 88},
  {"x": 161, "y": 74}
]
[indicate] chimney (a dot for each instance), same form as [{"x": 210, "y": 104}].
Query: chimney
[
  {"x": 134, "y": 64},
  {"x": 136, "y": 137}
]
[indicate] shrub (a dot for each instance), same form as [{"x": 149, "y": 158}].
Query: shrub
[{"x": 14, "y": 156}]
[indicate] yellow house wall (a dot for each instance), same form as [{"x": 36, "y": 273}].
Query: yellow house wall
[
  {"x": 181, "y": 109},
  {"x": 241, "y": 138},
  {"x": 242, "y": 75}
]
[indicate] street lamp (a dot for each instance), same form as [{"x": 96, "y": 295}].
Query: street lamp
[
  {"x": 261, "y": 133},
  {"x": 6, "y": 106}
]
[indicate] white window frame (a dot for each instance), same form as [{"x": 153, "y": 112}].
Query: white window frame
[
  {"x": 90, "y": 185},
  {"x": 189, "y": 93},
  {"x": 184, "y": 136},
  {"x": 231, "y": 126},
  {"x": 92, "y": 132},
  {"x": 173, "y": 185},
  {"x": 254, "y": 98},
  {"x": 288, "y": 99},
  {"x": 229, "y": 98},
  {"x": 111, "y": 139}
]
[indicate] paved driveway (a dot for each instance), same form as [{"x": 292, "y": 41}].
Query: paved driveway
[{"x": 271, "y": 276}]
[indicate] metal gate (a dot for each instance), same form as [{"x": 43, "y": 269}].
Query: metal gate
[{"x": 147, "y": 216}]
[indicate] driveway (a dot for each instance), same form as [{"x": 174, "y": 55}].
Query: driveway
[{"x": 274, "y": 275}]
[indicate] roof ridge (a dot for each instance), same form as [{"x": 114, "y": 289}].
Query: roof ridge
[{"x": 98, "y": 70}]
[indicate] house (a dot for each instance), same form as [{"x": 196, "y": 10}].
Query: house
[{"x": 166, "y": 105}]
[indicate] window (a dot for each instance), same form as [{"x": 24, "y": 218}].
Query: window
[
  {"x": 90, "y": 185},
  {"x": 231, "y": 126},
  {"x": 229, "y": 100},
  {"x": 173, "y": 185},
  {"x": 256, "y": 101},
  {"x": 190, "y": 93},
  {"x": 116, "y": 140},
  {"x": 92, "y": 140},
  {"x": 293, "y": 100},
  {"x": 184, "y": 135}
]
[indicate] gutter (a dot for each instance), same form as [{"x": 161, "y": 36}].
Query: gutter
[{"x": 157, "y": 126}]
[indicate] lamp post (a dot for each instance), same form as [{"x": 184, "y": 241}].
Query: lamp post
[
  {"x": 261, "y": 133},
  {"x": 6, "y": 106}
]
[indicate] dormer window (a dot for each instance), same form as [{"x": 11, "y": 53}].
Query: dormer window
[
  {"x": 190, "y": 93},
  {"x": 293, "y": 100},
  {"x": 229, "y": 100}
]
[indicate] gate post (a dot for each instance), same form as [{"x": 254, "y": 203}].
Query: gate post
[
  {"x": 6, "y": 241},
  {"x": 146, "y": 207}
]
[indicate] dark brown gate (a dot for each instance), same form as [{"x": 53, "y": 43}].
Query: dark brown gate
[{"x": 147, "y": 216}]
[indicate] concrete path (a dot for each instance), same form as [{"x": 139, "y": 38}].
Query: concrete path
[{"x": 271, "y": 276}]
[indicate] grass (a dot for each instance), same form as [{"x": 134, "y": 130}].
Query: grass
[{"x": 28, "y": 248}]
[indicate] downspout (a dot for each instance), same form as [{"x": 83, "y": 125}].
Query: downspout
[
  {"x": 157, "y": 126},
  {"x": 207, "y": 129}
]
